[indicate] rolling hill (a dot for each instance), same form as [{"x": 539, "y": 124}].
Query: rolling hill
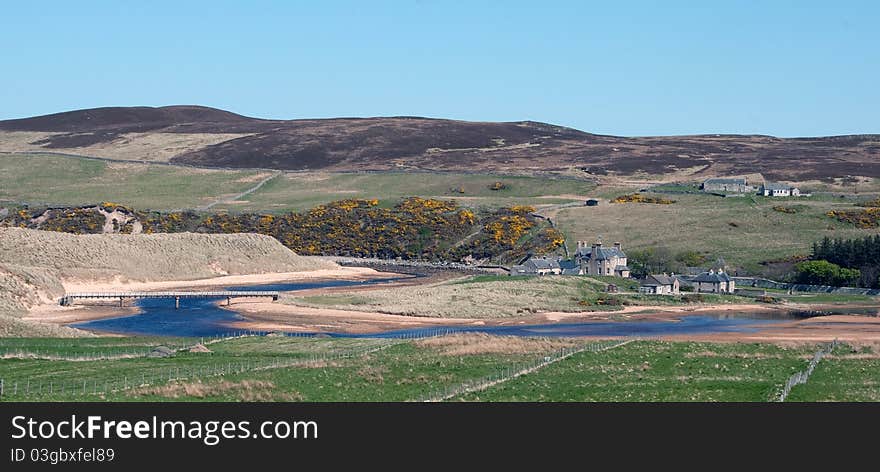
[{"x": 207, "y": 137}]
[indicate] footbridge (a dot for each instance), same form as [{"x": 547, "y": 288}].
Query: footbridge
[{"x": 70, "y": 298}]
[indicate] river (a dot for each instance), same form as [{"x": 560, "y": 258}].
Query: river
[{"x": 201, "y": 317}]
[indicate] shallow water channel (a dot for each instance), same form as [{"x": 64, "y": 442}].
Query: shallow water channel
[{"x": 201, "y": 317}]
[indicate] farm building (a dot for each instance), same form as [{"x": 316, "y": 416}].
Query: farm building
[
  {"x": 538, "y": 265},
  {"x": 598, "y": 260},
  {"x": 728, "y": 185},
  {"x": 776, "y": 189},
  {"x": 713, "y": 282},
  {"x": 659, "y": 285}
]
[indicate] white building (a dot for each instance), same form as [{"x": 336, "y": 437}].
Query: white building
[{"x": 776, "y": 189}]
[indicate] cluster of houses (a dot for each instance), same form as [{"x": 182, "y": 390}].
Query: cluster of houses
[
  {"x": 596, "y": 259},
  {"x": 743, "y": 186},
  {"x": 588, "y": 260}
]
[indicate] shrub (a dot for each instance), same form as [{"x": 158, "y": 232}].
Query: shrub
[
  {"x": 766, "y": 299},
  {"x": 693, "y": 298},
  {"x": 867, "y": 218},
  {"x": 785, "y": 209},
  {"x": 639, "y": 198},
  {"x": 825, "y": 273}
]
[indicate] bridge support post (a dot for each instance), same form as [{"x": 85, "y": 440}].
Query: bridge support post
[
  {"x": 177, "y": 303},
  {"x": 121, "y": 302},
  {"x": 228, "y": 301}
]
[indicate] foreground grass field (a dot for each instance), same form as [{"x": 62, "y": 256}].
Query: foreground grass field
[
  {"x": 745, "y": 230},
  {"x": 56, "y": 180},
  {"x": 659, "y": 371},
  {"x": 332, "y": 369}
]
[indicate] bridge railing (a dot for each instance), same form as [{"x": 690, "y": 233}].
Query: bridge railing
[{"x": 67, "y": 298}]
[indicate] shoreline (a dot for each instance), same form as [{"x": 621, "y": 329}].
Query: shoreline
[
  {"x": 347, "y": 273},
  {"x": 65, "y": 315},
  {"x": 268, "y": 316}
]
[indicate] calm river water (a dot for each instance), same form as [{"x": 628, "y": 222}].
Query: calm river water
[{"x": 202, "y": 318}]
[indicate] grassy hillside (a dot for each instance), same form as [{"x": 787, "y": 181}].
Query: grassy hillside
[
  {"x": 209, "y": 137},
  {"x": 298, "y": 191},
  {"x": 744, "y": 231},
  {"x": 56, "y": 180}
]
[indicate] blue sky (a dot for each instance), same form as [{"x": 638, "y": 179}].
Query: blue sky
[{"x": 786, "y": 68}]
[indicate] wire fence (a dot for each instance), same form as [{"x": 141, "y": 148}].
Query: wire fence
[
  {"x": 98, "y": 353},
  {"x": 110, "y": 352},
  {"x": 31, "y": 387},
  {"x": 516, "y": 370},
  {"x": 28, "y": 387},
  {"x": 804, "y": 375}
]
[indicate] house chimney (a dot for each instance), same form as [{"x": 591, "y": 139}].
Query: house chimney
[{"x": 616, "y": 245}]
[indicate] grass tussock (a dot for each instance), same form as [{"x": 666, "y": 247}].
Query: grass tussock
[
  {"x": 471, "y": 344},
  {"x": 245, "y": 390}
]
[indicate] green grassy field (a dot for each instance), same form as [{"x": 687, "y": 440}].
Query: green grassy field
[
  {"x": 659, "y": 371},
  {"x": 251, "y": 368},
  {"x": 744, "y": 230},
  {"x": 333, "y": 369},
  {"x": 56, "y": 180},
  {"x": 299, "y": 191},
  {"x": 848, "y": 375}
]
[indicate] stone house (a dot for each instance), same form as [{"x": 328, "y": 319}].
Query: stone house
[
  {"x": 713, "y": 282},
  {"x": 659, "y": 285},
  {"x": 598, "y": 260},
  {"x": 728, "y": 185},
  {"x": 538, "y": 265}
]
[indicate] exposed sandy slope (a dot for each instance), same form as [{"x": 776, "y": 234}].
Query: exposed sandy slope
[
  {"x": 37, "y": 267},
  {"x": 148, "y": 257}
]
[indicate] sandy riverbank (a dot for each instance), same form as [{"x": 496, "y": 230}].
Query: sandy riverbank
[
  {"x": 269, "y": 316},
  {"x": 856, "y": 329},
  {"x": 274, "y": 316},
  {"x": 852, "y": 329},
  {"x": 54, "y": 313},
  {"x": 118, "y": 285}
]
